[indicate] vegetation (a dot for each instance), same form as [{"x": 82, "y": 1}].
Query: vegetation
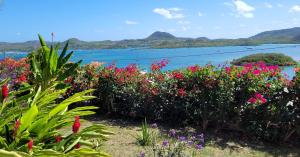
[
  {"x": 267, "y": 58},
  {"x": 146, "y": 136},
  {"x": 255, "y": 102},
  {"x": 166, "y": 40},
  {"x": 122, "y": 143},
  {"x": 32, "y": 115}
]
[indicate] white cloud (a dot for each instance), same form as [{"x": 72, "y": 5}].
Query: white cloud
[
  {"x": 184, "y": 22},
  {"x": 243, "y": 9},
  {"x": 280, "y": 5},
  {"x": 172, "y": 13},
  {"x": 200, "y": 14},
  {"x": 268, "y": 5},
  {"x": 128, "y": 22},
  {"x": 295, "y": 8}
]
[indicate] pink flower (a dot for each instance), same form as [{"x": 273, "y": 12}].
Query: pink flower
[
  {"x": 228, "y": 70},
  {"x": 256, "y": 72},
  {"x": 252, "y": 100}
]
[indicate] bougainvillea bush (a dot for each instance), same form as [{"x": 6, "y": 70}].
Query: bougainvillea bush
[
  {"x": 257, "y": 100},
  {"x": 254, "y": 99}
]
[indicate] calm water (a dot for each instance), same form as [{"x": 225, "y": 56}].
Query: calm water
[{"x": 179, "y": 57}]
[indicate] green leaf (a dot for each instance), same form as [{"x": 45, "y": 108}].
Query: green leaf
[
  {"x": 71, "y": 146},
  {"x": 28, "y": 117}
]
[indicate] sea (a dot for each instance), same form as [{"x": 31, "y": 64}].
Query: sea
[{"x": 177, "y": 57}]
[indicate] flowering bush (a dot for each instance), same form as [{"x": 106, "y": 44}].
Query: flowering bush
[
  {"x": 250, "y": 98},
  {"x": 254, "y": 98}
]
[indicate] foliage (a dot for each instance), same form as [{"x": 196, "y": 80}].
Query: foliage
[
  {"x": 49, "y": 68},
  {"x": 146, "y": 136},
  {"x": 32, "y": 116},
  {"x": 268, "y": 58}
]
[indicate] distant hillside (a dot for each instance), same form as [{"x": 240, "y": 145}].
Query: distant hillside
[
  {"x": 167, "y": 40},
  {"x": 161, "y": 36},
  {"x": 279, "y": 36}
]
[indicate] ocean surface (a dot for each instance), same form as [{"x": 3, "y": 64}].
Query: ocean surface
[{"x": 177, "y": 57}]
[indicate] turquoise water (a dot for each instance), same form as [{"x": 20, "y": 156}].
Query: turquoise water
[{"x": 178, "y": 57}]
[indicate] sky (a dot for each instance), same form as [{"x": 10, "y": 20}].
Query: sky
[{"x": 95, "y": 20}]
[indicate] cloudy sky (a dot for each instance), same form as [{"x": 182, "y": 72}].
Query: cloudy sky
[{"x": 92, "y": 20}]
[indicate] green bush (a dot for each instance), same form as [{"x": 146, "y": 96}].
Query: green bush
[{"x": 32, "y": 116}]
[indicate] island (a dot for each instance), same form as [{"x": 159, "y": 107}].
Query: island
[{"x": 268, "y": 58}]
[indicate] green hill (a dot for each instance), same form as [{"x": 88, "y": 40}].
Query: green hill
[{"x": 268, "y": 58}]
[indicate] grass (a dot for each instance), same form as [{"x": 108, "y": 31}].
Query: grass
[{"x": 124, "y": 144}]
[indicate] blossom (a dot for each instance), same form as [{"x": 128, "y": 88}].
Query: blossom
[
  {"x": 30, "y": 144},
  {"x": 142, "y": 154},
  {"x": 154, "y": 125},
  {"x": 4, "y": 91},
  {"x": 252, "y": 100},
  {"x": 77, "y": 146},
  {"x": 257, "y": 98},
  {"x": 76, "y": 125},
  {"x": 199, "y": 146},
  {"x": 177, "y": 75},
  {"x": 228, "y": 70},
  {"x": 17, "y": 126},
  {"x": 256, "y": 72},
  {"x": 193, "y": 69},
  {"x": 58, "y": 139},
  {"x": 172, "y": 133},
  {"x": 182, "y": 138},
  {"x": 165, "y": 143},
  {"x": 181, "y": 92}
]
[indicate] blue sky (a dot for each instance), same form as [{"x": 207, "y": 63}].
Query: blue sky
[{"x": 92, "y": 20}]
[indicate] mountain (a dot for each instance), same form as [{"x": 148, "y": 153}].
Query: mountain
[
  {"x": 161, "y": 36},
  {"x": 167, "y": 40},
  {"x": 279, "y": 36}
]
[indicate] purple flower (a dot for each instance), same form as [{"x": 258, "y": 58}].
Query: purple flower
[
  {"x": 182, "y": 138},
  {"x": 165, "y": 143},
  {"x": 199, "y": 146},
  {"x": 172, "y": 133},
  {"x": 201, "y": 138},
  {"x": 154, "y": 125},
  {"x": 190, "y": 143},
  {"x": 142, "y": 154},
  {"x": 193, "y": 138}
]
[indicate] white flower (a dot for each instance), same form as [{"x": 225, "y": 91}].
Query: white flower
[
  {"x": 290, "y": 103},
  {"x": 286, "y": 90}
]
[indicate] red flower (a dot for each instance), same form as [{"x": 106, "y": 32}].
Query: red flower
[
  {"x": 155, "y": 67},
  {"x": 17, "y": 126},
  {"x": 4, "y": 91},
  {"x": 178, "y": 75},
  {"x": 193, "y": 69},
  {"x": 30, "y": 144},
  {"x": 22, "y": 78},
  {"x": 181, "y": 92},
  {"x": 76, "y": 125},
  {"x": 58, "y": 139},
  {"x": 77, "y": 146}
]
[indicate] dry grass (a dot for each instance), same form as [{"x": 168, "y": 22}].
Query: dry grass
[{"x": 123, "y": 144}]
